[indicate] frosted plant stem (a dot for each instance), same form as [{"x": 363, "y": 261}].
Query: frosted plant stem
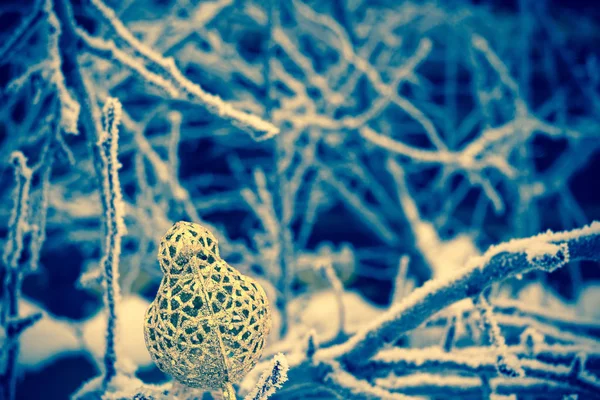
[
  {"x": 271, "y": 379},
  {"x": 401, "y": 284},
  {"x": 281, "y": 208},
  {"x": 338, "y": 289},
  {"x": 11, "y": 286},
  {"x": 406, "y": 361},
  {"x": 105, "y": 166},
  {"x": 351, "y": 387},
  {"x": 229, "y": 392},
  {"x": 90, "y": 115},
  {"x": 115, "y": 227},
  {"x": 506, "y": 363},
  {"x": 40, "y": 207}
]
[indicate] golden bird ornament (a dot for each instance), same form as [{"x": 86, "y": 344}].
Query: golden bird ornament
[{"x": 208, "y": 324}]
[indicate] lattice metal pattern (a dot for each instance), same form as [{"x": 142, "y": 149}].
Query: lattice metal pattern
[{"x": 208, "y": 323}]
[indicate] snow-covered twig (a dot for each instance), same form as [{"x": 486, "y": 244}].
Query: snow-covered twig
[
  {"x": 259, "y": 128},
  {"x": 350, "y": 387},
  {"x": 271, "y": 380},
  {"x": 18, "y": 218},
  {"x": 338, "y": 289},
  {"x": 481, "y": 361},
  {"x": 69, "y": 107},
  {"x": 10, "y": 323},
  {"x": 114, "y": 226},
  {"x": 519, "y": 316},
  {"x": 506, "y": 363}
]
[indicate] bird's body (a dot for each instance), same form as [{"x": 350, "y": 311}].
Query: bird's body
[{"x": 208, "y": 323}]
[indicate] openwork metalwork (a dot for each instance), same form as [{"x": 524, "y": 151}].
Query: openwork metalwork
[{"x": 208, "y": 323}]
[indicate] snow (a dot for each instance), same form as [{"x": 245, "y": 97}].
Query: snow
[
  {"x": 547, "y": 256},
  {"x": 444, "y": 257},
  {"x": 534, "y": 242},
  {"x": 120, "y": 387},
  {"x": 417, "y": 380},
  {"x": 319, "y": 312},
  {"x": 52, "y": 337},
  {"x": 131, "y": 345},
  {"x": 47, "y": 339},
  {"x": 588, "y": 302},
  {"x": 362, "y": 388}
]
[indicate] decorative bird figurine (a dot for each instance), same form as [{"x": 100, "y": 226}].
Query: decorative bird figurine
[{"x": 208, "y": 324}]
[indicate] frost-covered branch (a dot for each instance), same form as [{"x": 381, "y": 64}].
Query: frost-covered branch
[
  {"x": 460, "y": 386},
  {"x": 516, "y": 318},
  {"x": 348, "y": 386},
  {"x": 498, "y": 263},
  {"x": 18, "y": 218},
  {"x": 71, "y": 66},
  {"x": 271, "y": 380},
  {"x": 364, "y": 359},
  {"x": 338, "y": 289},
  {"x": 506, "y": 363},
  {"x": 41, "y": 201},
  {"x": 114, "y": 226},
  {"x": 482, "y": 361},
  {"x": 69, "y": 107},
  {"x": 11, "y": 324},
  {"x": 260, "y": 129}
]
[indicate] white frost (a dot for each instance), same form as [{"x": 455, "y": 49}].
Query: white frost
[{"x": 547, "y": 256}]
